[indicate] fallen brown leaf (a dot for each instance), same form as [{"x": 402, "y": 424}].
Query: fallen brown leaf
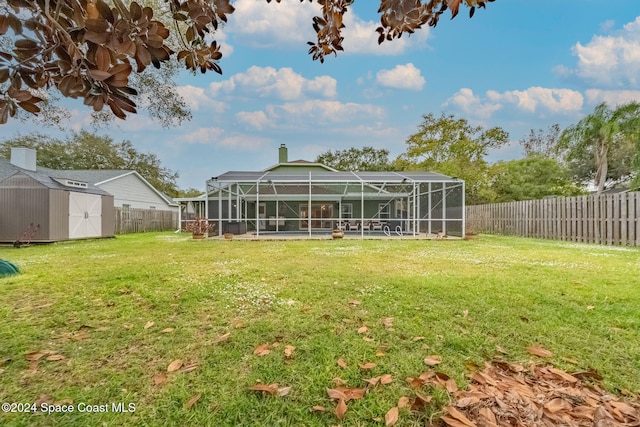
[
  {"x": 283, "y": 391},
  {"x": 192, "y": 401},
  {"x": 336, "y": 394},
  {"x": 262, "y": 350},
  {"x": 386, "y": 379},
  {"x": 540, "y": 351},
  {"x": 388, "y": 322},
  {"x": 372, "y": 381},
  {"x": 174, "y": 366},
  {"x": 269, "y": 388},
  {"x": 288, "y": 351},
  {"x": 341, "y": 409},
  {"x": 417, "y": 339},
  {"x": 432, "y": 360},
  {"x": 342, "y": 363},
  {"x": 148, "y": 324},
  {"x": 159, "y": 378},
  {"x": 403, "y": 402},
  {"x": 391, "y": 417},
  {"x": 222, "y": 338},
  {"x": 55, "y": 357},
  {"x": 362, "y": 329},
  {"x": 318, "y": 408},
  {"x": 167, "y": 330},
  {"x": 457, "y": 418},
  {"x": 367, "y": 366}
]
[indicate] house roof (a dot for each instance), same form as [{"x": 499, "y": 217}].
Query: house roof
[{"x": 334, "y": 176}]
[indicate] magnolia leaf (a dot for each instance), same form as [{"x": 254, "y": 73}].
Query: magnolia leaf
[
  {"x": 318, "y": 408},
  {"x": 539, "y": 351},
  {"x": 192, "y": 401},
  {"x": 174, "y": 366},
  {"x": 167, "y": 330},
  {"x": 457, "y": 418},
  {"x": 342, "y": 363},
  {"x": 148, "y": 324},
  {"x": 341, "y": 409},
  {"x": 222, "y": 338},
  {"x": 336, "y": 394},
  {"x": 386, "y": 379},
  {"x": 367, "y": 366},
  {"x": 372, "y": 381},
  {"x": 391, "y": 417},
  {"x": 388, "y": 322},
  {"x": 417, "y": 339},
  {"x": 557, "y": 404},
  {"x": 283, "y": 391},
  {"x": 362, "y": 330},
  {"x": 403, "y": 402},
  {"x": 262, "y": 350},
  {"x": 432, "y": 360},
  {"x": 288, "y": 351},
  {"x": 354, "y": 303},
  {"x": 367, "y": 339},
  {"x": 159, "y": 378},
  {"x": 55, "y": 357},
  {"x": 269, "y": 388}
]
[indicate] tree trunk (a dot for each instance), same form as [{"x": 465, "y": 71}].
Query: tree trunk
[{"x": 601, "y": 164}]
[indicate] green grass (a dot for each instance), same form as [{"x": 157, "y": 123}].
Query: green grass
[{"x": 89, "y": 301}]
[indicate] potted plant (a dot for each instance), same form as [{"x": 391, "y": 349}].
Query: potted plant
[{"x": 199, "y": 227}]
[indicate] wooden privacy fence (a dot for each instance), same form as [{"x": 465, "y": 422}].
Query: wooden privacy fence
[
  {"x": 609, "y": 219},
  {"x": 128, "y": 220}
]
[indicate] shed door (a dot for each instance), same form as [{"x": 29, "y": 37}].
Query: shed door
[{"x": 85, "y": 215}]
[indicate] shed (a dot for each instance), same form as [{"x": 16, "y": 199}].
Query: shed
[{"x": 42, "y": 208}]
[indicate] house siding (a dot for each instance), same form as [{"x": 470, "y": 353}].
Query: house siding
[
  {"x": 130, "y": 190},
  {"x": 58, "y": 215}
]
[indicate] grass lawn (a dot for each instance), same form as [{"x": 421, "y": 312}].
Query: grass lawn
[{"x": 100, "y": 322}]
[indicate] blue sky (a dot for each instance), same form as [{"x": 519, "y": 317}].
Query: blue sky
[{"x": 517, "y": 64}]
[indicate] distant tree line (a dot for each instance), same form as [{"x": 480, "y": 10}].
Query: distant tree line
[{"x": 601, "y": 150}]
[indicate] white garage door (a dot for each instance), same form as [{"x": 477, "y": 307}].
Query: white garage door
[{"x": 85, "y": 215}]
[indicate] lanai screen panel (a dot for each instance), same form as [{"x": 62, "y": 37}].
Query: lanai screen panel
[{"x": 398, "y": 203}]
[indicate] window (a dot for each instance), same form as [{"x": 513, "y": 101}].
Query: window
[
  {"x": 347, "y": 210},
  {"x": 383, "y": 211}
]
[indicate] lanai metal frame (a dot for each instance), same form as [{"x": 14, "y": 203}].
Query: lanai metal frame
[{"x": 410, "y": 202}]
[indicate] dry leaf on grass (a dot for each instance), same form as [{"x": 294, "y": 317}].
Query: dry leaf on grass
[
  {"x": 391, "y": 417},
  {"x": 148, "y": 324},
  {"x": 192, "y": 401},
  {"x": 456, "y": 418},
  {"x": 540, "y": 351},
  {"x": 174, "y": 366},
  {"x": 367, "y": 366},
  {"x": 341, "y": 409},
  {"x": 432, "y": 360},
  {"x": 362, "y": 329},
  {"x": 189, "y": 367},
  {"x": 262, "y": 350},
  {"x": 403, "y": 402},
  {"x": 318, "y": 408},
  {"x": 342, "y": 363},
  {"x": 288, "y": 351},
  {"x": 414, "y": 339},
  {"x": 268, "y": 388},
  {"x": 372, "y": 381},
  {"x": 222, "y": 338},
  {"x": 55, "y": 357},
  {"x": 167, "y": 330},
  {"x": 388, "y": 322},
  {"x": 354, "y": 303},
  {"x": 159, "y": 378},
  {"x": 386, "y": 379},
  {"x": 336, "y": 394},
  {"x": 367, "y": 339}
]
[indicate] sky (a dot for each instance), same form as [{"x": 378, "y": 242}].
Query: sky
[{"x": 518, "y": 64}]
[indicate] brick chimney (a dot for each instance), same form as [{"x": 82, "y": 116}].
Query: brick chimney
[{"x": 24, "y": 158}]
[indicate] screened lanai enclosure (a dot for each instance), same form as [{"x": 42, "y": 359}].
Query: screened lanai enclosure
[{"x": 319, "y": 201}]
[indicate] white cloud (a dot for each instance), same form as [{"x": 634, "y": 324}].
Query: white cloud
[
  {"x": 401, "y": 77},
  {"x": 275, "y": 25},
  {"x": 321, "y": 111},
  {"x": 612, "y": 60},
  {"x": 471, "y": 104},
  {"x": 203, "y": 136},
  {"x": 196, "y": 98},
  {"x": 531, "y": 100},
  {"x": 256, "y": 119},
  {"x": 534, "y": 99},
  {"x": 289, "y": 25},
  {"x": 612, "y": 97},
  {"x": 283, "y": 83},
  {"x": 360, "y": 37}
]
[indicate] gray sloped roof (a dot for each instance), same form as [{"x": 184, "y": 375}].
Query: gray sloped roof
[
  {"x": 44, "y": 177},
  {"x": 91, "y": 176}
]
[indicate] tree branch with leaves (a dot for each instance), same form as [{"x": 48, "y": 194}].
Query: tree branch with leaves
[{"x": 89, "y": 49}]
